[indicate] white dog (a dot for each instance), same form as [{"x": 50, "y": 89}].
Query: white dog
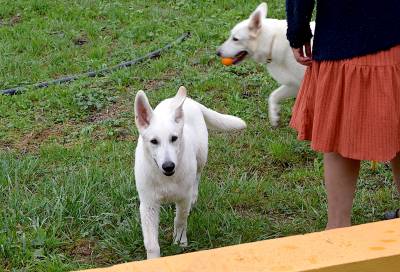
[
  {"x": 170, "y": 155},
  {"x": 264, "y": 40}
]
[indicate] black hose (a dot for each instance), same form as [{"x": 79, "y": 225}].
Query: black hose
[{"x": 101, "y": 72}]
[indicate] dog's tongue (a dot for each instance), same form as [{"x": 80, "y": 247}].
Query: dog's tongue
[{"x": 236, "y": 60}]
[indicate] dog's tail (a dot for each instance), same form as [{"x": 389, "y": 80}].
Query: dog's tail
[{"x": 221, "y": 122}]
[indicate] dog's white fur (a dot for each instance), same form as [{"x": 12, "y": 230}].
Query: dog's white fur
[
  {"x": 175, "y": 132},
  {"x": 265, "y": 42}
]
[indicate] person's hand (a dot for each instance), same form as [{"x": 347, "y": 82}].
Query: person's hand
[{"x": 303, "y": 54}]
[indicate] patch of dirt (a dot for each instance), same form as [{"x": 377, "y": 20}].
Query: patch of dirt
[
  {"x": 63, "y": 133},
  {"x": 83, "y": 250},
  {"x": 153, "y": 84},
  {"x": 80, "y": 40},
  {"x": 32, "y": 141},
  {"x": 6, "y": 145},
  {"x": 245, "y": 210},
  {"x": 88, "y": 251},
  {"x": 108, "y": 31},
  {"x": 17, "y": 18},
  {"x": 170, "y": 74},
  {"x": 112, "y": 112}
]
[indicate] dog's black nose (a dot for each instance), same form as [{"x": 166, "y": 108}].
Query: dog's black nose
[
  {"x": 218, "y": 53},
  {"x": 168, "y": 166}
]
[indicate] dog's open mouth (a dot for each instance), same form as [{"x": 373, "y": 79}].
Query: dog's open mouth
[
  {"x": 239, "y": 57},
  {"x": 168, "y": 174}
]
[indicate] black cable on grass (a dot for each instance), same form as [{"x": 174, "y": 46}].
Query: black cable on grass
[{"x": 101, "y": 72}]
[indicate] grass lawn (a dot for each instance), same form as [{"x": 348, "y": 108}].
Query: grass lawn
[{"x": 67, "y": 193}]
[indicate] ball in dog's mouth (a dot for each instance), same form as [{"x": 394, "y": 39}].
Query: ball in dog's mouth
[{"x": 237, "y": 58}]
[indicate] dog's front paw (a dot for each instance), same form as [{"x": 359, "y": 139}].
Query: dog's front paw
[
  {"x": 181, "y": 243},
  {"x": 274, "y": 123},
  {"x": 180, "y": 238},
  {"x": 152, "y": 254}
]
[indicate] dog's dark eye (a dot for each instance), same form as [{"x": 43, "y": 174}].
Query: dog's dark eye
[
  {"x": 154, "y": 141},
  {"x": 235, "y": 39},
  {"x": 174, "y": 138}
]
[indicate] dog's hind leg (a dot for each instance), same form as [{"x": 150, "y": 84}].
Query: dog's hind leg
[
  {"x": 180, "y": 222},
  {"x": 150, "y": 218},
  {"x": 275, "y": 98}
]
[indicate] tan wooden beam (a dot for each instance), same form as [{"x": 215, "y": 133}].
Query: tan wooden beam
[{"x": 373, "y": 247}]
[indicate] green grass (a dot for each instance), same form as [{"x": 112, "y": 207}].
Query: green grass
[{"x": 67, "y": 193}]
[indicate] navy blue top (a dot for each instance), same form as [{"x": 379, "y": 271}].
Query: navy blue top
[{"x": 344, "y": 28}]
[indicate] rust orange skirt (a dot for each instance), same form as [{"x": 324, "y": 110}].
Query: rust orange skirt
[{"x": 352, "y": 107}]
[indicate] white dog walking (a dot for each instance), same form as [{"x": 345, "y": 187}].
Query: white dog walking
[
  {"x": 264, "y": 41},
  {"x": 170, "y": 155}
]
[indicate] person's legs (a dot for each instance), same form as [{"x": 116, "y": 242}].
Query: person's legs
[
  {"x": 340, "y": 181},
  {"x": 396, "y": 171},
  {"x": 396, "y": 179}
]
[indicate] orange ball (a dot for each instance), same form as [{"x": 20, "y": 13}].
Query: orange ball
[{"x": 227, "y": 61}]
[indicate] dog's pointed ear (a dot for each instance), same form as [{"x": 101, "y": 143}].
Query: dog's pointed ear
[
  {"x": 257, "y": 17},
  {"x": 182, "y": 93},
  {"x": 263, "y": 8},
  {"x": 180, "y": 99},
  {"x": 143, "y": 110}
]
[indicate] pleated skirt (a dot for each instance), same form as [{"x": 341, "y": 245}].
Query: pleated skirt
[{"x": 352, "y": 107}]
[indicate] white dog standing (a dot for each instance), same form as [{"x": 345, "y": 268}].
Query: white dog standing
[
  {"x": 264, "y": 40},
  {"x": 170, "y": 155}
]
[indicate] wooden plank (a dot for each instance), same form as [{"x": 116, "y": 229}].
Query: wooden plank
[{"x": 371, "y": 247}]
